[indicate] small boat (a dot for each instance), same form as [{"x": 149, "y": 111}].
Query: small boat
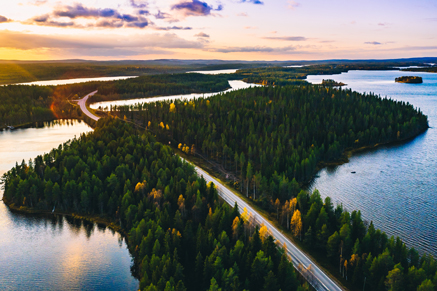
[{"x": 353, "y": 172}]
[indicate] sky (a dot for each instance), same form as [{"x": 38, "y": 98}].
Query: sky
[{"x": 217, "y": 29}]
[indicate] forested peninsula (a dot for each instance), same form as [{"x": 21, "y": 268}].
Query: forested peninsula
[
  {"x": 273, "y": 139},
  {"x": 181, "y": 235}
]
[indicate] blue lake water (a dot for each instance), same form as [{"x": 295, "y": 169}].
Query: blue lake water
[
  {"x": 394, "y": 186},
  {"x": 55, "y": 253}
]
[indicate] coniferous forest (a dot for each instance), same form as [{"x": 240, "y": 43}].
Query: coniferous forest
[
  {"x": 274, "y": 138},
  {"x": 21, "y": 104},
  {"x": 181, "y": 235}
]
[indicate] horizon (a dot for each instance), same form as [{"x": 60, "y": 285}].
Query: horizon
[
  {"x": 406, "y": 59},
  {"x": 231, "y": 30}
]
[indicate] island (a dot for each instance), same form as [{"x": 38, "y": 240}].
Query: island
[
  {"x": 332, "y": 83},
  {"x": 409, "y": 79}
]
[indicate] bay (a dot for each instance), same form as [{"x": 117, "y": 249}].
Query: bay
[{"x": 395, "y": 186}]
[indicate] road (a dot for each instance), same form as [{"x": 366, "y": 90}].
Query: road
[
  {"x": 315, "y": 276},
  {"x": 82, "y": 104}
]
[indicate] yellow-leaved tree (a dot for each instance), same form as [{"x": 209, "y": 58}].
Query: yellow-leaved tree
[
  {"x": 181, "y": 204},
  {"x": 296, "y": 224},
  {"x": 263, "y": 233},
  {"x": 172, "y": 108},
  {"x": 245, "y": 215},
  {"x": 141, "y": 187}
]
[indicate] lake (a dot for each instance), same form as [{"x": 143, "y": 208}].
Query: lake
[
  {"x": 55, "y": 253},
  {"x": 394, "y": 186},
  {"x": 74, "y": 81},
  {"x": 28, "y": 143},
  {"x": 105, "y": 105},
  {"x": 216, "y": 72}
]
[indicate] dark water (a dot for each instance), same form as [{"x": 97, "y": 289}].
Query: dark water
[
  {"x": 47, "y": 253},
  {"x": 395, "y": 186}
]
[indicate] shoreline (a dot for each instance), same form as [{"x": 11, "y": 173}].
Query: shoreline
[
  {"x": 349, "y": 152},
  {"x": 95, "y": 219}
]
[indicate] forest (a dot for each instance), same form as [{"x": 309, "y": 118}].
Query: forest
[
  {"x": 181, "y": 235},
  {"x": 161, "y": 85},
  {"x": 21, "y": 104},
  {"x": 274, "y": 139},
  {"x": 20, "y": 72},
  {"x": 296, "y": 75}
]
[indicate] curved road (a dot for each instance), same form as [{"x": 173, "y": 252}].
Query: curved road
[
  {"x": 82, "y": 104},
  {"x": 315, "y": 276}
]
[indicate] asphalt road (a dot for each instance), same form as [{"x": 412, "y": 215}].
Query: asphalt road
[
  {"x": 315, "y": 276},
  {"x": 313, "y": 273},
  {"x": 82, "y": 104}
]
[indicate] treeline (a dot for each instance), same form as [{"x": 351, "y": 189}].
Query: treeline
[
  {"x": 19, "y": 72},
  {"x": 363, "y": 255},
  {"x": 161, "y": 85},
  {"x": 274, "y": 138},
  {"x": 22, "y": 104},
  {"x": 181, "y": 235},
  {"x": 282, "y": 76}
]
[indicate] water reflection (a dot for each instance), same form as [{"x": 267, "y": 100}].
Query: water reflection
[
  {"x": 41, "y": 252},
  {"x": 53, "y": 252}
]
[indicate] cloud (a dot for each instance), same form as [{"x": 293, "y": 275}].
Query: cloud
[
  {"x": 78, "y": 10},
  {"x": 293, "y": 5},
  {"x": 251, "y": 49},
  {"x": 4, "y": 19},
  {"x": 202, "y": 34},
  {"x": 25, "y": 41},
  {"x": 140, "y": 5},
  {"x": 242, "y": 14},
  {"x": 194, "y": 8},
  {"x": 286, "y": 38},
  {"x": 143, "y": 12},
  {"x": 162, "y": 15},
  {"x": 174, "y": 28},
  {"x": 38, "y": 2},
  {"x": 258, "y": 2},
  {"x": 384, "y": 24},
  {"x": 104, "y": 18},
  {"x": 418, "y": 48},
  {"x": 373, "y": 42},
  {"x": 250, "y": 27}
]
